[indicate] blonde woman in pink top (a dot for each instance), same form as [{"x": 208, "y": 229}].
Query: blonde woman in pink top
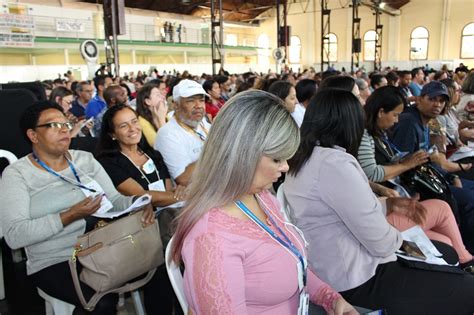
[{"x": 240, "y": 255}]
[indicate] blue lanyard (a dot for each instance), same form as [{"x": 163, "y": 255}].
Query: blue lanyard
[
  {"x": 73, "y": 169},
  {"x": 288, "y": 244},
  {"x": 200, "y": 135},
  {"x": 390, "y": 144},
  {"x": 426, "y": 132}
]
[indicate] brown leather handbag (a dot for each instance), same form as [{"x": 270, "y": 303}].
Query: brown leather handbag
[{"x": 114, "y": 254}]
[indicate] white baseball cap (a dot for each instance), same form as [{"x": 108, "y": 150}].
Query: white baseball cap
[{"x": 187, "y": 88}]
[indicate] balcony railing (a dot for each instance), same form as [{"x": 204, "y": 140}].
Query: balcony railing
[{"x": 94, "y": 29}]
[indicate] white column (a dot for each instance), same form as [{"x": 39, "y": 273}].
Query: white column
[
  {"x": 308, "y": 50},
  {"x": 66, "y": 56},
  {"x": 32, "y": 59},
  {"x": 134, "y": 57},
  {"x": 185, "y": 57},
  {"x": 445, "y": 23},
  {"x": 316, "y": 35},
  {"x": 348, "y": 50},
  {"x": 393, "y": 48}
]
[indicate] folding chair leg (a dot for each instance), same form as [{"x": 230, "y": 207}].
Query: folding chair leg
[
  {"x": 2, "y": 281},
  {"x": 137, "y": 300},
  {"x": 49, "y": 308}
]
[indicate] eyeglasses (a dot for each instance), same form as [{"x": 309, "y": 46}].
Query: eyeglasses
[{"x": 57, "y": 125}]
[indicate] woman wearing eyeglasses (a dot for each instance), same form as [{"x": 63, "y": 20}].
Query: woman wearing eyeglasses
[
  {"x": 64, "y": 98},
  {"x": 48, "y": 195}
]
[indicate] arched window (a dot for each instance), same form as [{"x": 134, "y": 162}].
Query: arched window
[
  {"x": 330, "y": 47},
  {"x": 419, "y": 43},
  {"x": 295, "y": 49},
  {"x": 467, "y": 41},
  {"x": 369, "y": 45}
]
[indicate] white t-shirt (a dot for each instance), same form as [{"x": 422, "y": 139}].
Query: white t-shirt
[
  {"x": 298, "y": 114},
  {"x": 178, "y": 146}
]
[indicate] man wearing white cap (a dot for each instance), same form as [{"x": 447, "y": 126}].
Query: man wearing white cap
[{"x": 180, "y": 141}]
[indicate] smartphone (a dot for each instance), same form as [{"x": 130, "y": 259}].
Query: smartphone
[
  {"x": 433, "y": 149},
  {"x": 377, "y": 312},
  {"x": 411, "y": 249}
]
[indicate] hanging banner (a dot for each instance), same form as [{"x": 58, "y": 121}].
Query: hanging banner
[
  {"x": 69, "y": 26},
  {"x": 16, "y": 30}
]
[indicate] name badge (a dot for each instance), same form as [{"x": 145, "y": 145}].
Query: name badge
[
  {"x": 303, "y": 308},
  {"x": 149, "y": 167},
  {"x": 105, "y": 204},
  {"x": 159, "y": 185}
]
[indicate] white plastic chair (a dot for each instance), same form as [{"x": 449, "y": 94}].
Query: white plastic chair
[
  {"x": 285, "y": 208},
  {"x": 8, "y": 155},
  {"x": 10, "y": 158},
  {"x": 2, "y": 282},
  {"x": 54, "y": 306},
  {"x": 176, "y": 278}
]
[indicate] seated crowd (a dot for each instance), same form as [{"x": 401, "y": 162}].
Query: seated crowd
[{"x": 209, "y": 151}]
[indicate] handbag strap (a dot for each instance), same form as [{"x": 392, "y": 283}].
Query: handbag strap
[{"x": 98, "y": 295}]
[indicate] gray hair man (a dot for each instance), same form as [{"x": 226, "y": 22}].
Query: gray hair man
[
  {"x": 180, "y": 141},
  {"x": 363, "y": 89}
]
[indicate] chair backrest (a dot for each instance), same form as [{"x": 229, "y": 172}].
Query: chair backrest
[
  {"x": 8, "y": 155},
  {"x": 10, "y": 158},
  {"x": 88, "y": 144},
  {"x": 34, "y": 87},
  {"x": 176, "y": 278},
  {"x": 12, "y": 105},
  {"x": 285, "y": 207}
]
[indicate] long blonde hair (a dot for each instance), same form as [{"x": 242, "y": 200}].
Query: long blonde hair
[{"x": 251, "y": 124}]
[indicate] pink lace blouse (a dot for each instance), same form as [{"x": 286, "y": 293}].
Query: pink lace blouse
[{"x": 233, "y": 267}]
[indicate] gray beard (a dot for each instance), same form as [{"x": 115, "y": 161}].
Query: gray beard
[{"x": 191, "y": 123}]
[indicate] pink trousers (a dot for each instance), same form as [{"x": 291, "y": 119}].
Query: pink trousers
[{"x": 440, "y": 225}]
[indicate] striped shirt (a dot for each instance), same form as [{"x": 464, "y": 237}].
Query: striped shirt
[{"x": 366, "y": 158}]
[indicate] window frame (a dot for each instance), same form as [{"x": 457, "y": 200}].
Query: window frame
[
  {"x": 335, "y": 43},
  {"x": 372, "y": 40},
  {"x": 462, "y": 37},
  {"x": 290, "y": 55},
  {"x": 427, "y": 43}
]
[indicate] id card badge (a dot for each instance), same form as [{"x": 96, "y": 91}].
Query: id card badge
[
  {"x": 303, "y": 308},
  {"x": 105, "y": 204},
  {"x": 300, "y": 276},
  {"x": 301, "y": 269},
  {"x": 159, "y": 185},
  {"x": 149, "y": 167}
]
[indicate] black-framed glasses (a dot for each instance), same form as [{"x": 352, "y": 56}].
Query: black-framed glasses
[{"x": 57, "y": 125}]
